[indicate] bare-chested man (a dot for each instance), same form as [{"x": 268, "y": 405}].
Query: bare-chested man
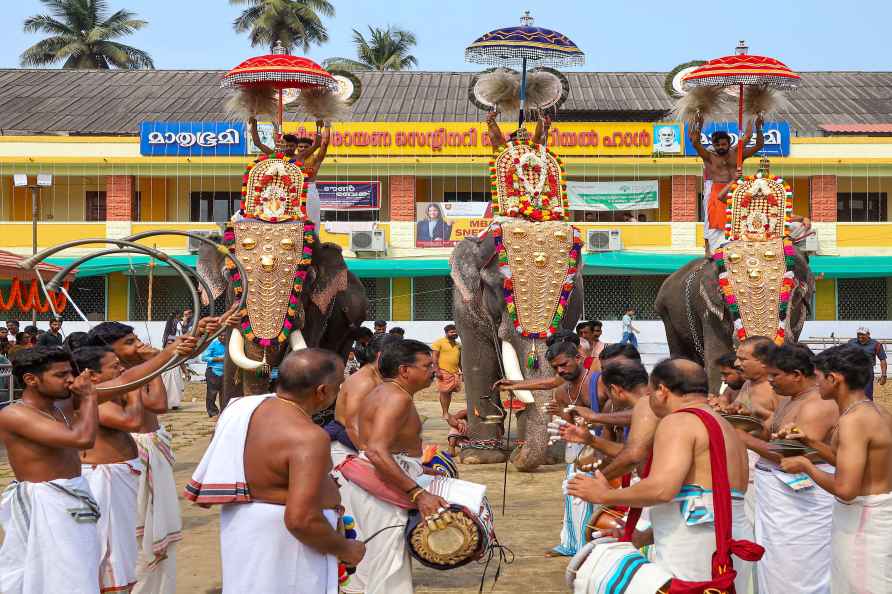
[
  {"x": 269, "y": 466},
  {"x": 756, "y": 397},
  {"x": 498, "y": 140},
  {"x": 390, "y": 434},
  {"x": 862, "y": 443},
  {"x": 797, "y": 554},
  {"x": 681, "y": 473},
  {"x": 353, "y": 391},
  {"x": 51, "y": 543},
  {"x": 732, "y": 380},
  {"x": 719, "y": 170}
]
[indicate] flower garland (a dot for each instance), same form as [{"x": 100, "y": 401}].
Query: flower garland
[
  {"x": 25, "y": 301},
  {"x": 290, "y": 187},
  {"x": 535, "y": 202},
  {"x": 300, "y": 276},
  {"x": 746, "y": 200},
  {"x": 787, "y": 286},
  {"x": 566, "y": 288}
]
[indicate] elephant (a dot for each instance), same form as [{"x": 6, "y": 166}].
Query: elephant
[
  {"x": 489, "y": 341},
  {"x": 332, "y": 308},
  {"x": 699, "y": 324}
]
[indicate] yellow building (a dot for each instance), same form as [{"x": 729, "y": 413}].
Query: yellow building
[{"x": 133, "y": 151}]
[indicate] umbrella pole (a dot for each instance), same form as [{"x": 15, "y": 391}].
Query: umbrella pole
[
  {"x": 523, "y": 92},
  {"x": 740, "y": 139},
  {"x": 280, "y": 116}
]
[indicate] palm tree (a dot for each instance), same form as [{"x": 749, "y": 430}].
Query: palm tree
[
  {"x": 386, "y": 49},
  {"x": 82, "y": 33},
  {"x": 293, "y": 22}
]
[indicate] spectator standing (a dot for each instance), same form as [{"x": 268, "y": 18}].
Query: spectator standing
[
  {"x": 874, "y": 349},
  {"x": 177, "y": 325},
  {"x": 214, "y": 356},
  {"x": 54, "y": 337},
  {"x": 629, "y": 330},
  {"x": 398, "y": 332},
  {"x": 447, "y": 366},
  {"x": 380, "y": 326},
  {"x": 12, "y": 327}
]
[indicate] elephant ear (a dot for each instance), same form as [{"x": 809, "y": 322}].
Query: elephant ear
[
  {"x": 210, "y": 267},
  {"x": 710, "y": 291},
  {"x": 329, "y": 275}
]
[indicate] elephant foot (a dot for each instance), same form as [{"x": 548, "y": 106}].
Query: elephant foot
[
  {"x": 525, "y": 459},
  {"x": 477, "y": 456}
]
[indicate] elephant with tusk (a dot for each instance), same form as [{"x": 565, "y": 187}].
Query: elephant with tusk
[{"x": 299, "y": 291}]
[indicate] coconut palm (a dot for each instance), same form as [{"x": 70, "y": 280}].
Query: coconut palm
[
  {"x": 385, "y": 49},
  {"x": 295, "y": 23},
  {"x": 82, "y": 35}
]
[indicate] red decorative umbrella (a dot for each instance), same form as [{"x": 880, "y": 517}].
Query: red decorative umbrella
[
  {"x": 741, "y": 70},
  {"x": 279, "y": 70}
]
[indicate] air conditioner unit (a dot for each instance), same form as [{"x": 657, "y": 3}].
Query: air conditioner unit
[
  {"x": 604, "y": 240},
  {"x": 810, "y": 245},
  {"x": 194, "y": 244},
  {"x": 370, "y": 242}
]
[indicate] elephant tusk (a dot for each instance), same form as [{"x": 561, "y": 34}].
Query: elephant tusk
[
  {"x": 296, "y": 341},
  {"x": 237, "y": 353},
  {"x": 513, "y": 371}
]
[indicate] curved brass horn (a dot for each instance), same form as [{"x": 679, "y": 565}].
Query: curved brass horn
[{"x": 123, "y": 246}]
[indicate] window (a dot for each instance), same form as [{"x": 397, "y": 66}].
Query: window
[
  {"x": 350, "y": 215},
  {"x": 214, "y": 207},
  {"x": 467, "y": 197},
  {"x": 861, "y": 207},
  {"x": 95, "y": 206},
  {"x": 169, "y": 297},
  {"x": 862, "y": 299},
  {"x": 432, "y": 297}
]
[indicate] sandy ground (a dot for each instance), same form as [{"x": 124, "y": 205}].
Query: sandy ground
[{"x": 530, "y": 525}]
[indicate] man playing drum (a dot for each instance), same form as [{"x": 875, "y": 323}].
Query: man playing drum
[
  {"x": 681, "y": 477},
  {"x": 390, "y": 437}
]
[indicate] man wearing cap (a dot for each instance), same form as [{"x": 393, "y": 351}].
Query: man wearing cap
[{"x": 874, "y": 350}]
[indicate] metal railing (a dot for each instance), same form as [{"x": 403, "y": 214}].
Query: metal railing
[{"x": 7, "y": 385}]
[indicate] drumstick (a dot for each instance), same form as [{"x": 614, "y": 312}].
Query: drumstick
[{"x": 366, "y": 541}]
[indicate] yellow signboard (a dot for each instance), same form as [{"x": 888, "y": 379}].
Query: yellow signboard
[{"x": 406, "y": 139}]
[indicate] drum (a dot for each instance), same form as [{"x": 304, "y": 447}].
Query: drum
[
  {"x": 589, "y": 459},
  {"x": 605, "y": 519},
  {"x": 452, "y": 538}
]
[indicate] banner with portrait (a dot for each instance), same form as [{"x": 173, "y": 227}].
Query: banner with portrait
[{"x": 443, "y": 224}]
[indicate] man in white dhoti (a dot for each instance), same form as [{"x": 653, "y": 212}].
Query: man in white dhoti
[
  {"x": 390, "y": 434},
  {"x": 49, "y": 517},
  {"x": 793, "y": 516},
  {"x": 678, "y": 491},
  {"x": 861, "y": 449},
  {"x": 278, "y": 520},
  {"x": 158, "y": 513}
]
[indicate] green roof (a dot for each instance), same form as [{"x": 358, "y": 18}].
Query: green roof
[{"x": 605, "y": 263}]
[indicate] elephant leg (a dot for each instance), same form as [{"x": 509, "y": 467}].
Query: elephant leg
[
  {"x": 715, "y": 344},
  {"x": 480, "y": 365},
  {"x": 534, "y": 452}
]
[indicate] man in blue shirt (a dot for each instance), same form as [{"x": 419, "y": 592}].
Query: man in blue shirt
[
  {"x": 214, "y": 356},
  {"x": 874, "y": 350}
]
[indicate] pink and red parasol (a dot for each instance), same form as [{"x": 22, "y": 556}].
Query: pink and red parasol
[{"x": 740, "y": 70}]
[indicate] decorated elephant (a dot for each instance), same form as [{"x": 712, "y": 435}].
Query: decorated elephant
[
  {"x": 757, "y": 284},
  {"x": 514, "y": 286},
  {"x": 300, "y": 293}
]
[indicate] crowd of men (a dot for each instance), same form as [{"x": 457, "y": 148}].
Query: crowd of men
[{"x": 94, "y": 470}]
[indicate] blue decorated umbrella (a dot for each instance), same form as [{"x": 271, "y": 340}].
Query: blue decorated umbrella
[{"x": 524, "y": 46}]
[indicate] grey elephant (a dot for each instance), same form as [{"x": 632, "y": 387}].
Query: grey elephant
[
  {"x": 331, "y": 308},
  {"x": 699, "y": 324},
  {"x": 490, "y": 345}
]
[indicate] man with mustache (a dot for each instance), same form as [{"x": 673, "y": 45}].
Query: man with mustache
[{"x": 719, "y": 170}]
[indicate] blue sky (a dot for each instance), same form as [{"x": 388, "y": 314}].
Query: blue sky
[{"x": 616, "y": 35}]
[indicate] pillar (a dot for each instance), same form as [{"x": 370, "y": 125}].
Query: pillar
[
  {"x": 822, "y": 194},
  {"x": 825, "y": 299},
  {"x": 401, "y": 299},
  {"x": 402, "y": 198},
  {"x": 118, "y": 197},
  {"x": 117, "y": 297},
  {"x": 685, "y": 204}
]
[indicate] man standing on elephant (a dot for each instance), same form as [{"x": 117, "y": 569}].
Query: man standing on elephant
[
  {"x": 390, "y": 464},
  {"x": 719, "y": 170}
]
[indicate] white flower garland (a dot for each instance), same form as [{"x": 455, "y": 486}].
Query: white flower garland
[{"x": 532, "y": 159}]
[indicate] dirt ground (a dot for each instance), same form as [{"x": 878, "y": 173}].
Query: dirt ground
[{"x": 530, "y": 525}]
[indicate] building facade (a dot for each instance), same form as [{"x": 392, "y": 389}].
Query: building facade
[{"x": 134, "y": 151}]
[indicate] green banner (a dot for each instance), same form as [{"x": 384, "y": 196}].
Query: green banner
[{"x": 623, "y": 195}]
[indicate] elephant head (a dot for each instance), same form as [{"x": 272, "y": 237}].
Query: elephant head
[
  {"x": 493, "y": 346},
  {"x": 700, "y": 324}
]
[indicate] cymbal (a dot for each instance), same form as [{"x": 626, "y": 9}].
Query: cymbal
[{"x": 744, "y": 422}]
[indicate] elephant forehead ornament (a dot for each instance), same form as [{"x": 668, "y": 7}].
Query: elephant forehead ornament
[
  {"x": 274, "y": 241},
  {"x": 756, "y": 266},
  {"x": 538, "y": 251}
]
